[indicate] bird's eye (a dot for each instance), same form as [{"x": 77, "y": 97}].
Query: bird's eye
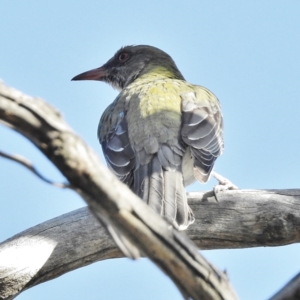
[{"x": 123, "y": 56}]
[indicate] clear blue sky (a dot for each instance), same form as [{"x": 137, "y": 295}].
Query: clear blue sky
[{"x": 247, "y": 53}]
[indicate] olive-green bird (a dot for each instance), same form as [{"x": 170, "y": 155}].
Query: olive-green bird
[{"x": 161, "y": 132}]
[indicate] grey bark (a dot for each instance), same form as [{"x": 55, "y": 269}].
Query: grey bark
[
  {"x": 291, "y": 291},
  {"x": 111, "y": 202},
  {"x": 77, "y": 239}
]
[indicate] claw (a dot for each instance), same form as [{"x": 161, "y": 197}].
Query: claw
[{"x": 224, "y": 184}]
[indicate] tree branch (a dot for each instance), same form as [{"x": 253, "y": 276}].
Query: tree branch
[
  {"x": 246, "y": 218},
  {"x": 291, "y": 291},
  {"x": 110, "y": 201},
  {"x": 27, "y": 164},
  {"x": 239, "y": 219}
]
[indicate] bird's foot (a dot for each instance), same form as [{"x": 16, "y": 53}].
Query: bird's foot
[{"x": 224, "y": 184}]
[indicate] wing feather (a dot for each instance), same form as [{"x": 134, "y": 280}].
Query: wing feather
[
  {"x": 202, "y": 129},
  {"x": 114, "y": 140}
]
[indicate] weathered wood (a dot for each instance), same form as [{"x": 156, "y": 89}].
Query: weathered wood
[
  {"x": 51, "y": 249},
  {"x": 291, "y": 291},
  {"x": 243, "y": 218},
  {"x": 113, "y": 204},
  {"x": 246, "y": 218}
]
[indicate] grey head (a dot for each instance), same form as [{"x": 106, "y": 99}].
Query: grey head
[{"x": 129, "y": 63}]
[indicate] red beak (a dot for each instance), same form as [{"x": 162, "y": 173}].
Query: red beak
[{"x": 95, "y": 74}]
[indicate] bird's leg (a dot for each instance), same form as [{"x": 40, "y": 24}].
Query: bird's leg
[{"x": 224, "y": 183}]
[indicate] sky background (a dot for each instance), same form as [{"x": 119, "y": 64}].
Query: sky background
[{"x": 246, "y": 52}]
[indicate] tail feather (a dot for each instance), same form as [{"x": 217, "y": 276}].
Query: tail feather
[
  {"x": 169, "y": 200},
  {"x": 163, "y": 191},
  {"x": 141, "y": 182},
  {"x": 156, "y": 193},
  {"x": 181, "y": 199},
  {"x": 184, "y": 216}
]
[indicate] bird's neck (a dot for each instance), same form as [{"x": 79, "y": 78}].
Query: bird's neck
[{"x": 157, "y": 72}]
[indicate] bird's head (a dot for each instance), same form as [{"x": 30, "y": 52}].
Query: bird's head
[{"x": 131, "y": 62}]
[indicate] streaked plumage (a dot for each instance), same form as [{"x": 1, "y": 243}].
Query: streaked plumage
[{"x": 161, "y": 132}]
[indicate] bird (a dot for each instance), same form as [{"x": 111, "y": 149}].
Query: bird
[{"x": 161, "y": 133}]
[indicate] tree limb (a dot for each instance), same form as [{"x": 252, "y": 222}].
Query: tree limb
[
  {"x": 239, "y": 219},
  {"x": 27, "y": 164},
  {"x": 291, "y": 291},
  {"x": 110, "y": 201},
  {"x": 246, "y": 218}
]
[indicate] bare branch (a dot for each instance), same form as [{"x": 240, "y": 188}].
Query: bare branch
[
  {"x": 27, "y": 164},
  {"x": 112, "y": 202},
  {"x": 240, "y": 219},
  {"x": 246, "y": 218},
  {"x": 291, "y": 291}
]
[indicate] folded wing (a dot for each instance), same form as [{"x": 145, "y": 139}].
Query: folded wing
[
  {"x": 202, "y": 129},
  {"x": 117, "y": 150}
]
